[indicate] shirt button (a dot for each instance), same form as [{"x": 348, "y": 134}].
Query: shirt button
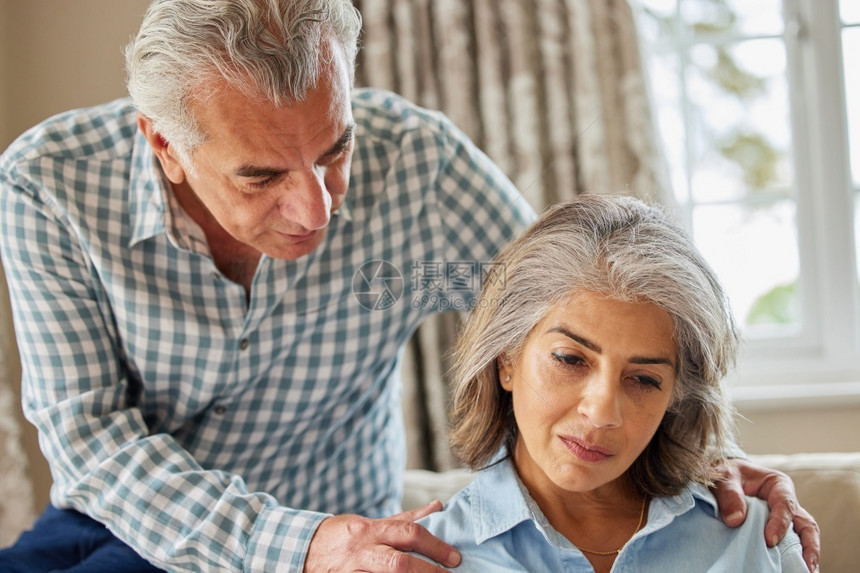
[
  {"x": 220, "y": 410},
  {"x": 244, "y": 344},
  {"x": 216, "y": 276}
]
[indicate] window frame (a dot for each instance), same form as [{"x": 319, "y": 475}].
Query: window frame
[{"x": 819, "y": 365}]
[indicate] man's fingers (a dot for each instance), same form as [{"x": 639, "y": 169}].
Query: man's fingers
[
  {"x": 810, "y": 536},
  {"x": 781, "y": 514},
  {"x": 419, "y": 512},
  {"x": 408, "y": 536},
  {"x": 355, "y": 543},
  {"x": 730, "y": 496},
  {"x": 777, "y": 489},
  {"x": 388, "y": 559}
]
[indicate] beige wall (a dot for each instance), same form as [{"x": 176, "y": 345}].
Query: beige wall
[
  {"x": 798, "y": 429},
  {"x": 61, "y": 55},
  {"x": 4, "y": 74}
]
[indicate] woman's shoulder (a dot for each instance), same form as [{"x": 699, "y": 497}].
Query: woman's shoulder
[
  {"x": 483, "y": 520},
  {"x": 454, "y": 523},
  {"x": 727, "y": 546}
]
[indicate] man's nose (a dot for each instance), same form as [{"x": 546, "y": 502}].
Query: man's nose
[{"x": 308, "y": 202}]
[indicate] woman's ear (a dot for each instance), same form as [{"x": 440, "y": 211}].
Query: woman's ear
[
  {"x": 161, "y": 147},
  {"x": 505, "y": 373}
]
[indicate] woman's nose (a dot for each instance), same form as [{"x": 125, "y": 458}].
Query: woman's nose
[{"x": 601, "y": 402}]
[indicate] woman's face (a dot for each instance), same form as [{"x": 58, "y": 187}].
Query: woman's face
[{"x": 590, "y": 388}]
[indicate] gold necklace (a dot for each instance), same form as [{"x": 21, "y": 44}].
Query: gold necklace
[{"x": 617, "y": 551}]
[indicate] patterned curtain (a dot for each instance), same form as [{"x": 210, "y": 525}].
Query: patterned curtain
[
  {"x": 16, "y": 489},
  {"x": 552, "y": 90}
]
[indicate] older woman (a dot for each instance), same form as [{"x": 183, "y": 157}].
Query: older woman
[{"x": 588, "y": 394}]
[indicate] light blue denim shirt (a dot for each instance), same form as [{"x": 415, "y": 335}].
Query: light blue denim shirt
[{"x": 498, "y": 527}]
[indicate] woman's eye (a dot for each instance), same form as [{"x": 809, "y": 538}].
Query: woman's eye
[
  {"x": 570, "y": 359},
  {"x": 648, "y": 381}
]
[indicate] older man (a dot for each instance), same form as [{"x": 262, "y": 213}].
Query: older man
[{"x": 208, "y": 388}]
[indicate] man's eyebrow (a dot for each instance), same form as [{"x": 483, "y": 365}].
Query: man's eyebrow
[
  {"x": 256, "y": 172},
  {"x": 596, "y": 348},
  {"x": 342, "y": 142}
]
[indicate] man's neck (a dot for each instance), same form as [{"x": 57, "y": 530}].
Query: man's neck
[{"x": 234, "y": 259}]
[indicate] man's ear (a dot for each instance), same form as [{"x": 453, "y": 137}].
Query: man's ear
[{"x": 170, "y": 163}]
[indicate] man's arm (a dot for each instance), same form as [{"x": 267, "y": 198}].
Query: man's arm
[
  {"x": 740, "y": 477},
  {"x": 106, "y": 462}
]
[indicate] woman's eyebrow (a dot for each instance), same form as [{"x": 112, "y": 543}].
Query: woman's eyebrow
[
  {"x": 596, "y": 348},
  {"x": 575, "y": 337}
]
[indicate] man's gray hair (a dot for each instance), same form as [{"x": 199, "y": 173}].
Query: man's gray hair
[
  {"x": 270, "y": 50},
  {"x": 624, "y": 249}
]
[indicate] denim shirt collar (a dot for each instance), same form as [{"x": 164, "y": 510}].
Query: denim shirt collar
[{"x": 501, "y": 502}]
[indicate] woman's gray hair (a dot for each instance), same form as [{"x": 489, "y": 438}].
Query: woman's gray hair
[
  {"x": 270, "y": 50},
  {"x": 624, "y": 249}
]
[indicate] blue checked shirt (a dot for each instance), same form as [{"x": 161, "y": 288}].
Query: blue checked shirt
[
  {"x": 498, "y": 527},
  {"x": 206, "y": 432}
]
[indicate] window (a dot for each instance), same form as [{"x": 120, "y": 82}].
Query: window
[{"x": 760, "y": 125}]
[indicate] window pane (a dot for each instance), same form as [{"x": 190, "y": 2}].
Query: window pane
[
  {"x": 850, "y": 10},
  {"x": 709, "y": 17},
  {"x": 657, "y": 19},
  {"x": 857, "y": 233},
  {"x": 857, "y": 237},
  {"x": 739, "y": 120},
  {"x": 850, "y": 45},
  {"x": 665, "y": 81},
  {"x": 754, "y": 251}
]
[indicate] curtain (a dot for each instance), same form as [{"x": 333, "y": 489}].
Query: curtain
[
  {"x": 552, "y": 90},
  {"x": 16, "y": 489}
]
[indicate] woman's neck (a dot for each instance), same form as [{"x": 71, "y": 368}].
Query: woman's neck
[{"x": 598, "y": 522}]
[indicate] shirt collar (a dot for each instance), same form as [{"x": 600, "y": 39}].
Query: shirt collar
[
  {"x": 147, "y": 191},
  {"x": 501, "y": 502}
]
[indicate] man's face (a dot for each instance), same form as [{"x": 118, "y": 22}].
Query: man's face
[{"x": 271, "y": 177}]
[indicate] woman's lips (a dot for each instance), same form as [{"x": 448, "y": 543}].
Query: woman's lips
[{"x": 584, "y": 451}]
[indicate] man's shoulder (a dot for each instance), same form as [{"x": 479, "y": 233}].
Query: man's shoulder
[
  {"x": 386, "y": 115},
  {"x": 102, "y": 132}
]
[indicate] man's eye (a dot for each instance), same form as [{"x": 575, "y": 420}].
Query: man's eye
[{"x": 261, "y": 183}]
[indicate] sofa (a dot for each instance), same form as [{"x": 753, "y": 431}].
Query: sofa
[{"x": 828, "y": 486}]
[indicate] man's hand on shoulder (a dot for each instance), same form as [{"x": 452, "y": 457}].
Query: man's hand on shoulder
[
  {"x": 741, "y": 477},
  {"x": 355, "y": 543}
]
